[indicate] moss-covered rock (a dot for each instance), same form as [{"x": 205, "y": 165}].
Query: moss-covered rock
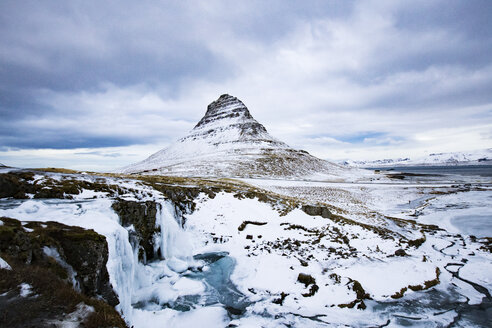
[
  {"x": 52, "y": 299},
  {"x": 83, "y": 250},
  {"x": 15, "y": 185}
]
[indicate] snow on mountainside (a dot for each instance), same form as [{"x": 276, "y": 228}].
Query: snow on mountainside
[
  {"x": 478, "y": 157},
  {"x": 229, "y": 142}
]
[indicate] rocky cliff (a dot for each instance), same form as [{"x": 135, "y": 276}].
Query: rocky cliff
[{"x": 61, "y": 273}]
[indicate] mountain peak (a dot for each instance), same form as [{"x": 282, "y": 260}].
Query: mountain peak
[
  {"x": 226, "y": 106},
  {"x": 229, "y": 114},
  {"x": 224, "y": 103}
]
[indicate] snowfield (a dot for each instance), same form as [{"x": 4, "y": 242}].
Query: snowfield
[{"x": 389, "y": 254}]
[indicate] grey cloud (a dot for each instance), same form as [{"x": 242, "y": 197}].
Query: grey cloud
[
  {"x": 58, "y": 58},
  {"x": 98, "y": 153}
]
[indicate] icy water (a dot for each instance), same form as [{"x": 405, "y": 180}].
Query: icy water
[
  {"x": 476, "y": 225},
  {"x": 463, "y": 170},
  {"x": 468, "y": 212},
  {"x": 215, "y": 274},
  {"x": 217, "y": 278}
]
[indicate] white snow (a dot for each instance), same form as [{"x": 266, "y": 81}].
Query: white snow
[
  {"x": 4, "y": 265},
  {"x": 382, "y": 279},
  {"x": 25, "y": 289},
  {"x": 74, "y": 319},
  {"x": 207, "y": 317}
]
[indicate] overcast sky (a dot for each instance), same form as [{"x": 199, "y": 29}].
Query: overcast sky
[{"x": 102, "y": 84}]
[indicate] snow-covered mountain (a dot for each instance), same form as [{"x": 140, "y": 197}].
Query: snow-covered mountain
[
  {"x": 229, "y": 142},
  {"x": 478, "y": 157}
]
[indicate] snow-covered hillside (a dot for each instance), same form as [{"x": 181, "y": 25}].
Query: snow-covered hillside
[
  {"x": 229, "y": 142},
  {"x": 478, "y": 157}
]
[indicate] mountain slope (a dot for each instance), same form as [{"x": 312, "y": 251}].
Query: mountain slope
[{"x": 229, "y": 142}]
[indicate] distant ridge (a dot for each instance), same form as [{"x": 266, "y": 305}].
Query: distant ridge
[
  {"x": 229, "y": 142},
  {"x": 477, "y": 157}
]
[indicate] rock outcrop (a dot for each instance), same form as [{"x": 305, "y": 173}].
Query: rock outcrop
[
  {"x": 58, "y": 274},
  {"x": 142, "y": 216},
  {"x": 62, "y": 248},
  {"x": 20, "y": 184}
]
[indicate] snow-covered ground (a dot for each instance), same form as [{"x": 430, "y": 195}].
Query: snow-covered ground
[{"x": 244, "y": 262}]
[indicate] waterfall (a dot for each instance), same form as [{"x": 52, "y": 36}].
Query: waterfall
[
  {"x": 121, "y": 267},
  {"x": 133, "y": 280},
  {"x": 173, "y": 242}
]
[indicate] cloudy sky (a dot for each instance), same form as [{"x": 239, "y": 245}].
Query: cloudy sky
[{"x": 101, "y": 84}]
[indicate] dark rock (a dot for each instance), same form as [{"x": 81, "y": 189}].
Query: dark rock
[
  {"x": 87, "y": 252},
  {"x": 52, "y": 299},
  {"x": 84, "y": 250},
  {"x": 18, "y": 183},
  {"x": 15, "y": 185},
  {"x": 306, "y": 279},
  {"x": 233, "y": 310},
  {"x": 249, "y": 236},
  {"x": 316, "y": 211},
  {"x": 142, "y": 216},
  {"x": 400, "y": 252},
  {"x": 312, "y": 290},
  {"x": 243, "y": 225},
  {"x": 15, "y": 242},
  {"x": 281, "y": 299}
]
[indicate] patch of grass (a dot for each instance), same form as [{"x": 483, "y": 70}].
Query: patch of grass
[
  {"x": 400, "y": 293},
  {"x": 382, "y": 232},
  {"x": 361, "y": 295},
  {"x": 307, "y": 280},
  {"x": 57, "y": 170},
  {"x": 298, "y": 227},
  {"x": 417, "y": 242},
  {"x": 336, "y": 278},
  {"x": 431, "y": 283},
  {"x": 486, "y": 244},
  {"x": 426, "y": 285}
]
